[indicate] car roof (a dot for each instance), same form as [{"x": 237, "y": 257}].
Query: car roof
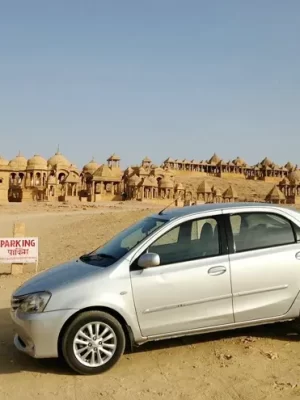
[{"x": 190, "y": 210}]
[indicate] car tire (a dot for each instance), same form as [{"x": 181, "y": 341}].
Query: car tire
[{"x": 84, "y": 355}]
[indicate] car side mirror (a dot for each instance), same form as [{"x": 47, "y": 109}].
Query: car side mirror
[{"x": 149, "y": 260}]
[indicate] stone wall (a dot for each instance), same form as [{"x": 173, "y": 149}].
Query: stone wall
[
  {"x": 272, "y": 179},
  {"x": 231, "y": 175},
  {"x": 177, "y": 172}
]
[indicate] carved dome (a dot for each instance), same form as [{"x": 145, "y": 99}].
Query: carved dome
[
  {"x": 104, "y": 172},
  {"x": 275, "y": 194},
  {"x": 142, "y": 171},
  {"x": 146, "y": 160},
  {"x": 37, "y": 162},
  {"x": 18, "y": 163},
  {"x": 214, "y": 160},
  {"x": 146, "y": 182},
  {"x": 230, "y": 193},
  {"x": 204, "y": 188},
  {"x": 294, "y": 177},
  {"x": 91, "y": 167},
  {"x": 133, "y": 180},
  {"x": 159, "y": 171},
  {"x": 169, "y": 160},
  {"x": 58, "y": 159},
  {"x": 150, "y": 182},
  {"x": 179, "y": 186},
  {"x": 3, "y": 162},
  {"x": 153, "y": 180},
  {"x": 239, "y": 162},
  {"x": 222, "y": 163},
  {"x": 266, "y": 162},
  {"x": 289, "y": 166},
  {"x": 128, "y": 171},
  {"x": 166, "y": 183},
  {"x": 284, "y": 181}
]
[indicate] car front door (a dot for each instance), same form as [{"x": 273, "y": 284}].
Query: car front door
[
  {"x": 191, "y": 288},
  {"x": 265, "y": 264}
]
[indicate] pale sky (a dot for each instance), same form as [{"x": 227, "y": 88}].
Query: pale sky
[{"x": 158, "y": 78}]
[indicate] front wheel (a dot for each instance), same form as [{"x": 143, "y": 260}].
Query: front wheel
[{"x": 93, "y": 342}]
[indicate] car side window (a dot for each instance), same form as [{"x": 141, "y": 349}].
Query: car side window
[
  {"x": 252, "y": 231},
  {"x": 170, "y": 237},
  {"x": 189, "y": 241}
]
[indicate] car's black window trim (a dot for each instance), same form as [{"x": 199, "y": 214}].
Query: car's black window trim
[
  {"x": 229, "y": 233},
  {"x": 297, "y": 232},
  {"x": 230, "y": 237},
  {"x": 223, "y": 242}
]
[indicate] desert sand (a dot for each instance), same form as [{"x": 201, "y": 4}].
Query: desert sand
[{"x": 253, "y": 364}]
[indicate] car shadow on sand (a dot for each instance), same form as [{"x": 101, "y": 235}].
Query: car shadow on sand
[{"x": 12, "y": 361}]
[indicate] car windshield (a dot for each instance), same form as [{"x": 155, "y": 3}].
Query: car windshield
[{"x": 123, "y": 242}]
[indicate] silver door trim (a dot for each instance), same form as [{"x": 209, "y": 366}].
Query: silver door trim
[
  {"x": 263, "y": 290},
  {"x": 187, "y": 304}
]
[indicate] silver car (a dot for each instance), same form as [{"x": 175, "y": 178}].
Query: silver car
[{"x": 180, "y": 272}]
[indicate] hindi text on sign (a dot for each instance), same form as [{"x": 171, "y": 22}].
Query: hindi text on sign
[{"x": 23, "y": 251}]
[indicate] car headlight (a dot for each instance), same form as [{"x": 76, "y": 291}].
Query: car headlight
[{"x": 34, "y": 302}]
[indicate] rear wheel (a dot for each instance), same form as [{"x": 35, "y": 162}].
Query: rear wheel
[{"x": 93, "y": 342}]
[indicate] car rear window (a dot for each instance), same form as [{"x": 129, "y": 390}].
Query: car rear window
[{"x": 258, "y": 230}]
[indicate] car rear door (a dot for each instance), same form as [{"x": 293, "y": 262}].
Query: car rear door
[
  {"x": 265, "y": 264},
  {"x": 191, "y": 288}
]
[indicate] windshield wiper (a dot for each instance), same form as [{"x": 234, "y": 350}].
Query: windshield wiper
[
  {"x": 96, "y": 256},
  {"x": 86, "y": 257},
  {"x": 103, "y": 255}
]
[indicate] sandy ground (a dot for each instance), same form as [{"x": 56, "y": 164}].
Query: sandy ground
[{"x": 256, "y": 364}]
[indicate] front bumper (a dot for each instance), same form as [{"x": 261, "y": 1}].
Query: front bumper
[{"x": 37, "y": 334}]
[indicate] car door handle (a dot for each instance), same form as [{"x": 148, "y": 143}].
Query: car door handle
[
  {"x": 297, "y": 255},
  {"x": 214, "y": 271}
]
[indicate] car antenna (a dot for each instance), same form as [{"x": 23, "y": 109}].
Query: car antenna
[{"x": 169, "y": 205}]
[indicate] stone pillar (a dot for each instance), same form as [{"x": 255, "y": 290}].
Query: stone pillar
[
  {"x": 18, "y": 232},
  {"x": 27, "y": 180},
  {"x": 92, "y": 191},
  {"x": 142, "y": 193}
]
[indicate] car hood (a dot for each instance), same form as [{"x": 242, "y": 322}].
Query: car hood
[{"x": 62, "y": 275}]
